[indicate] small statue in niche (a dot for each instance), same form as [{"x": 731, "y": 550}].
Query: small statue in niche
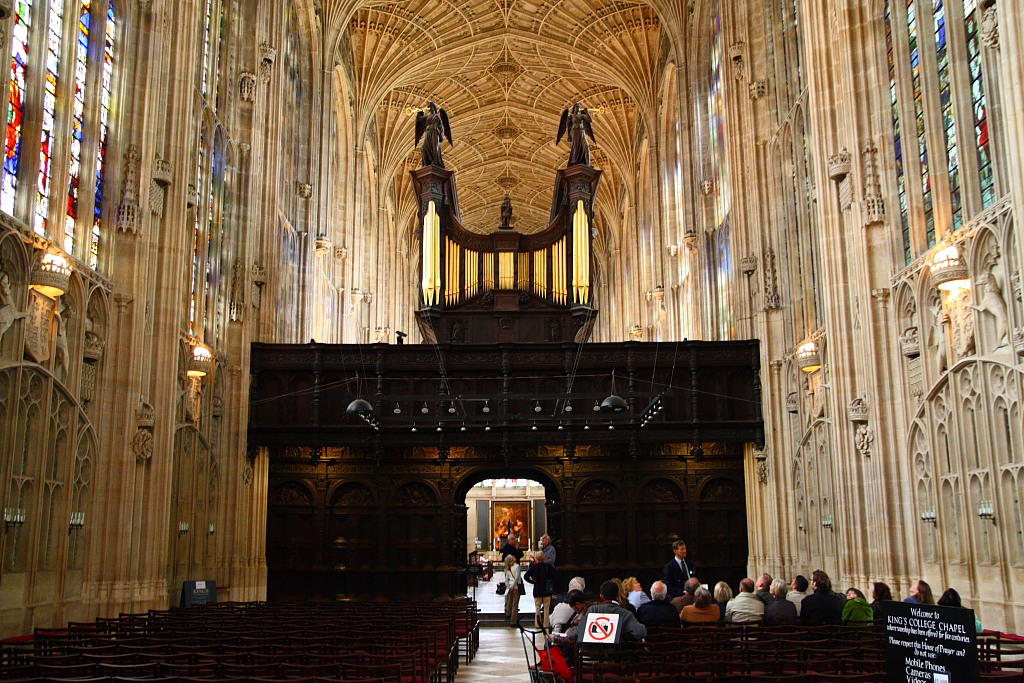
[
  {"x": 577, "y": 124},
  {"x": 457, "y": 333},
  {"x": 937, "y": 334},
  {"x": 9, "y": 312},
  {"x": 433, "y": 127},
  {"x": 60, "y": 352},
  {"x": 506, "y": 213},
  {"x": 554, "y": 331},
  {"x": 993, "y": 304}
]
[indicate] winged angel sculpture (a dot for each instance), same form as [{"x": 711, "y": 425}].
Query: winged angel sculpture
[
  {"x": 576, "y": 122},
  {"x": 433, "y": 127}
]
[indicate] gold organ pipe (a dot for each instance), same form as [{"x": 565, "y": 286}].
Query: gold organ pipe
[
  {"x": 430, "y": 247},
  {"x": 524, "y": 271},
  {"x": 472, "y": 273},
  {"x": 539, "y": 273},
  {"x": 581, "y": 254},
  {"x": 506, "y": 270},
  {"x": 437, "y": 256},
  {"x": 488, "y": 271}
]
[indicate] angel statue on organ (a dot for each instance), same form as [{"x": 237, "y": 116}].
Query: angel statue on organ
[
  {"x": 576, "y": 123},
  {"x": 433, "y": 127}
]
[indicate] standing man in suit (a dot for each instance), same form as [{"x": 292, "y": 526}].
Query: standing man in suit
[{"x": 678, "y": 570}]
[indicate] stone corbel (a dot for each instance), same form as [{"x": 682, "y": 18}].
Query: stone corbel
[
  {"x": 839, "y": 165},
  {"x": 737, "y": 53},
  {"x": 757, "y": 89},
  {"x": 857, "y": 410},
  {"x": 304, "y": 190},
  {"x": 761, "y": 456},
  {"x": 268, "y": 55}
]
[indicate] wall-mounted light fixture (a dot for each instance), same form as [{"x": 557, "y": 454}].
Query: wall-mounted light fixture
[
  {"x": 212, "y": 529},
  {"x": 77, "y": 521},
  {"x": 948, "y": 271},
  {"x": 200, "y": 362},
  {"x": 929, "y": 515},
  {"x": 51, "y": 276},
  {"x": 13, "y": 517},
  {"x": 987, "y": 510},
  {"x": 183, "y": 528},
  {"x": 826, "y": 520},
  {"x": 808, "y": 358}
]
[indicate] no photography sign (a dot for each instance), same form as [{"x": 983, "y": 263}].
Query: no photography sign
[{"x": 601, "y": 629}]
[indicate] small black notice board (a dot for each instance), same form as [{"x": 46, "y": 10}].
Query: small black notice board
[
  {"x": 929, "y": 644},
  {"x": 198, "y": 593}
]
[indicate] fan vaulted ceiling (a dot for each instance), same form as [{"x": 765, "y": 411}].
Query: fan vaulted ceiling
[{"x": 504, "y": 70}]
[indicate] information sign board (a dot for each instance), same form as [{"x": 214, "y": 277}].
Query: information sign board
[
  {"x": 198, "y": 593},
  {"x": 929, "y": 644}
]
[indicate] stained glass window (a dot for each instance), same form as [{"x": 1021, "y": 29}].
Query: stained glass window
[
  {"x": 193, "y": 308},
  {"x": 948, "y": 110},
  {"x": 901, "y": 176},
  {"x": 77, "y": 118},
  {"x": 16, "y": 98},
  {"x": 101, "y": 160},
  {"x": 55, "y": 28},
  {"x": 987, "y": 177},
  {"x": 922, "y": 138},
  {"x": 207, "y": 23}
]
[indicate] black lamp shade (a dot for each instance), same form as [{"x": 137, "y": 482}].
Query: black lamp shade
[
  {"x": 359, "y": 407},
  {"x": 614, "y": 404}
]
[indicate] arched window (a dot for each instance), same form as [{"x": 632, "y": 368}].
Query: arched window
[
  {"x": 51, "y": 65},
  {"x": 796, "y": 236},
  {"x": 937, "y": 90}
]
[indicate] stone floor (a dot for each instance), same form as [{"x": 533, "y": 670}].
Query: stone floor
[{"x": 501, "y": 657}]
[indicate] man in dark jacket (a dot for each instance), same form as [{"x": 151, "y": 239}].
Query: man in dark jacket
[
  {"x": 542, "y": 576},
  {"x": 821, "y": 606},
  {"x": 511, "y": 547},
  {"x": 658, "y": 611},
  {"x": 678, "y": 570}
]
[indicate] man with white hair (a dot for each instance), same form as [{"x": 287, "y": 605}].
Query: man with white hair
[
  {"x": 658, "y": 611},
  {"x": 547, "y": 549}
]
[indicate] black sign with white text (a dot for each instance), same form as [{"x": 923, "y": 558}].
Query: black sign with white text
[
  {"x": 929, "y": 644},
  {"x": 198, "y": 593}
]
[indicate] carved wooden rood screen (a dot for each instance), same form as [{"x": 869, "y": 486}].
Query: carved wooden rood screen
[{"x": 369, "y": 498}]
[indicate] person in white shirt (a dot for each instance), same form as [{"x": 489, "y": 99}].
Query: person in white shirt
[
  {"x": 798, "y": 591},
  {"x": 745, "y": 608}
]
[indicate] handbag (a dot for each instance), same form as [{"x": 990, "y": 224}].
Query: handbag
[{"x": 500, "y": 590}]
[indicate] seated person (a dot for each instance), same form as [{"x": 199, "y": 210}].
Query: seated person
[
  {"x": 634, "y": 592},
  {"x": 857, "y": 611},
  {"x": 565, "y": 615},
  {"x": 821, "y": 606},
  {"x": 658, "y": 611},
  {"x": 686, "y": 598},
  {"x": 628, "y": 624},
  {"x": 703, "y": 609},
  {"x": 952, "y": 599},
  {"x": 745, "y": 608},
  {"x": 781, "y": 611}
]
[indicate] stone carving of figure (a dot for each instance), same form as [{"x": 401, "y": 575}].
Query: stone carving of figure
[
  {"x": 992, "y": 303},
  {"x": 9, "y": 312},
  {"x": 937, "y": 336},
  {"x": 433, "y": 127},
  {"x": 576, "y": 123},
  {"x": 60, "y": 353},
  {"x": 506, "y": 212},
  {"x": 458, "y": 332}
]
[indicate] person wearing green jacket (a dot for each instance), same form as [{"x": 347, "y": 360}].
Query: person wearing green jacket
[{"x": 857, "y": 611}]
